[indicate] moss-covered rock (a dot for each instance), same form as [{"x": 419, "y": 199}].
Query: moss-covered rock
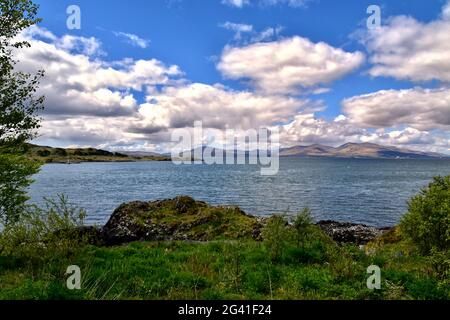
[
  {"x": 185, "y": 219},
  {"x": 181, "y": 218}
]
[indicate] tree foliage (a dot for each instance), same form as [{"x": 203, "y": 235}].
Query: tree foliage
[
  {"x": 427, "y": 222},
  {"x": 15, "y": 170},
  {"x": 19, "y": 106},
  {"x": 18, "y": 103}
]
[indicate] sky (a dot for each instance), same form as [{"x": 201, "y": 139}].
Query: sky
[{"x": 137, "y": 70}]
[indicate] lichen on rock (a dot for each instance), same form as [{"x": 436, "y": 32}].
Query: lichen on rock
[{"x": 181, "y": 218}]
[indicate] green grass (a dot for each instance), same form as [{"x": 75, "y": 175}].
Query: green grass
[
  {"x": 292, "y": 261},
  {"x": 223, "y": 270}
]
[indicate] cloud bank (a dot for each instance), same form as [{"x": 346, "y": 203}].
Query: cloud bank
[{"x": 135, "y": 104}]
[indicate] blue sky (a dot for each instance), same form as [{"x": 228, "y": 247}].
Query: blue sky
[{"x": 194, "y": 35}]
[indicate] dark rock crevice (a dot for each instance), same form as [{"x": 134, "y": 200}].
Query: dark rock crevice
[{"x": 344, "y": 232}]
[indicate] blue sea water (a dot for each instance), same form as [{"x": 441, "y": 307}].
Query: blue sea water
[{"x": 373, "y": 192}]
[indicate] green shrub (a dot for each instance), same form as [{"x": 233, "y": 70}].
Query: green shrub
[
  {"x": 440, "y": 261},
  {"x": 212, "y": 294},
  {"x": 426, "y": 289},
  {"x": 233, "y": 257},
  {"x": 259, "y": 280},
  {"x": 60, "y": 152},
  {"x": 312, "y": 279},
  {"x": 347, "y": 263},
  {"x": 15, "y": 173},
  {"x": 43, "y": 153},
  {"x": 276, "y": 236},
  {"x": 427, "y": 223},
  {"x": 303, "y": 223},
  {"x": 316, "y": 252},
  {"x": 40, "y": 233}
]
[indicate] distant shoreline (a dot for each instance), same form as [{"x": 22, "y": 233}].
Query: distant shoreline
[
  {"x": 104, "y": 161},
  {"x": 362, "y": 158},
  {"x": 47, "y": 155},
  {"x": 162, "y": 159}
]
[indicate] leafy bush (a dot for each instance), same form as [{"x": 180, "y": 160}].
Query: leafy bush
[
  {"x": 298, "y": 242},
  {"x": 233, "y": 257},
  {"x": 15, "y": 171},
  {"x": 426, "y": 289},
  {"x": 314, "y": 252},
  {"x": 427, "y": 223},
  {"x": 60, "y": 152},
  {"x": 440, "y": 262},
  {"x": 312, "y": 279},
  {"x": 39, "y": 234},
  {"x": 43, "y": 153},
  {"x": 261, "y": 279},
  {"x": 276, "y": 236},
  {"x": 303, "y": 224}
]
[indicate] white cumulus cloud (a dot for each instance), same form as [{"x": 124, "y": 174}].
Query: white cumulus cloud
[
  {"x": 288, "y": 65},
  {"x": 423, "y": 109},
  {"x": 408, "y": 49},
  {"x": 76, "y": 84}
]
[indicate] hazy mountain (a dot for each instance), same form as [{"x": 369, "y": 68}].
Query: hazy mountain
[
  {"x": 312, "y": 150},
  {"x": 348, "y": 150},
  {"x": 357, "y": 150},
  {"x": 142, "y": 154}
]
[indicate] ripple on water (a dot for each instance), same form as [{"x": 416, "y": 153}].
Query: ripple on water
[{"x": 357, "y": 190}]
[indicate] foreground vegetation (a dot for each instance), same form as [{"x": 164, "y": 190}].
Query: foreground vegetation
[
  {"x": 224, "y": 270},
  {"x": 295, "y": 259}
]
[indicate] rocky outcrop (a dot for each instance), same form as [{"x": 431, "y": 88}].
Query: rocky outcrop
[
  {"x": 181, "y": 218},
  {"x": 358, "y": 234},
  {"x": 185, "y": 219}
]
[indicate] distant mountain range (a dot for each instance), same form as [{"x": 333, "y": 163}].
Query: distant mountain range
[
  {"x": 358, "y": 150},
  {"x": 349, "y": 150},
  {"x": 143, "y": 154}
]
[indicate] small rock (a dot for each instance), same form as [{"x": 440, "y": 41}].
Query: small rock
[{"x": 358, "y": 234}]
